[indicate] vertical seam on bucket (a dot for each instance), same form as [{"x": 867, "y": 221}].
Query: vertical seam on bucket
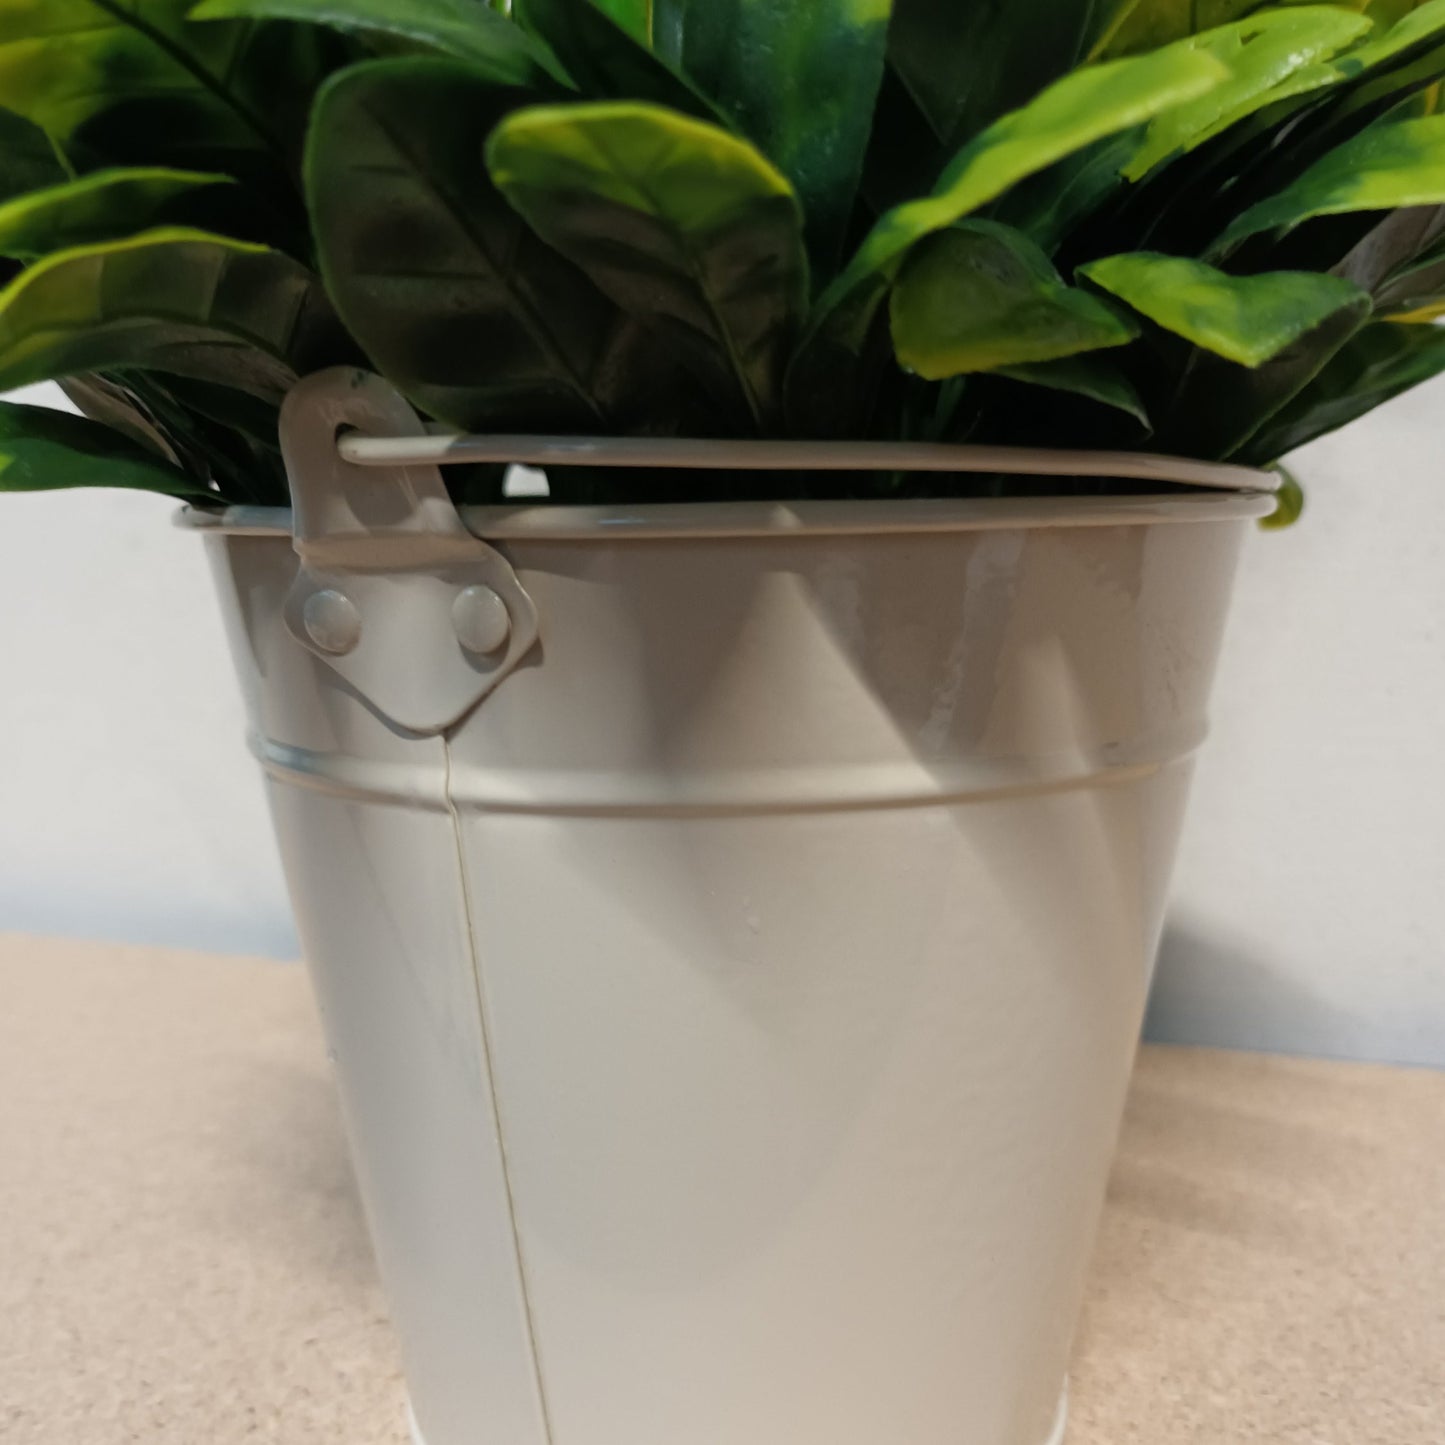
[{"x": 489, "y": 1071}]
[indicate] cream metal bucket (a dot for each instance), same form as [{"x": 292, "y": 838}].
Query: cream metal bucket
[{"x": 734, "y": 959}]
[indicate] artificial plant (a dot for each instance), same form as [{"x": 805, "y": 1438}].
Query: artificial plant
[{"x": 1201, "y": 226}]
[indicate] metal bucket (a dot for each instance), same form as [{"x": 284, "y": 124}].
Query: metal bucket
[{"x": 733, "y": 1007}]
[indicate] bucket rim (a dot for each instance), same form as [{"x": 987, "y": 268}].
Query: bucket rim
[{"x": 528, "y": 521}]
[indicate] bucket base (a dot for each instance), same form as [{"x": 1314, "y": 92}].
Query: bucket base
[{"x": 1056, "y": 1435}]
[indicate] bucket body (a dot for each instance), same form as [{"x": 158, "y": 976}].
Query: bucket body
[{"x": 733, "y": 1013}]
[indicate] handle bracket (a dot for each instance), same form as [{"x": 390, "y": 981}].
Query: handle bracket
[{"x": 418, "y": 615}]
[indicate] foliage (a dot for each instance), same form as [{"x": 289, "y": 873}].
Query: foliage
[{"x": 1212, "y": 226}]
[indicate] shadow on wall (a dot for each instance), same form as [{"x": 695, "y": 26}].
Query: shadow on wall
[{"x": 1210, "y": 991}]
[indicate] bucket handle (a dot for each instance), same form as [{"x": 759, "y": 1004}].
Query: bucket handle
[{"x": 439, "y": 449}]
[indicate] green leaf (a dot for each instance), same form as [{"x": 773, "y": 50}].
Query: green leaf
[
  {"x": 167, "y": 300},
  {"x": 463, "y": 29},
  {"x": 219, "y": 88},
  {"x": 111, "y": 403},
  {"x": 1265, "y": 54},
  {"x": 1051, "y": 204},
  {"x": 1382, "y": 361},
  {"x": 28, "y": 159},
  {"x": 1087, "y": 376},
  {"x": 1149, "y": 24},
  {"x": 1079, "y": 110},
  {"x": 1219, "y": 405},
  {"x": 44, "y": 450},
  {"x": 607, "y": 61},
  {"x": 1245, "y": 319},
  {"x": 798, "y": 80},
  {"x": 1423, "y": 25},
  {"x": 454, "y": 298},
  {"x": 1289, "y": 504},
  {"x": 966, "y": 65},
  {"x": 1401, "y": 163},
  {"x": 1403, "y": 243},
  {"x": 686, "y": 227},
  {"x": 982, "y": 296},
  {"x": 634, "y": 16},
  {"x": 104, "y": 206}
]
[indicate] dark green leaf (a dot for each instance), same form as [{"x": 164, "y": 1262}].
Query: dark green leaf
[
  {"x": 798, "y": 80},
  {"x": 28, "y": 159},
  {"x": 1051, "y": 204},
  {"x": 966, "y": 65},
  {"x": 224, "y": 88},
  {"x": 1087, "y": 376},
  {"x": 1219, "y": 406},
  {"x": 104, "y": 206},
  {"x": 43, "y": 450},
  {"x": 982, "y": 296},
  {"x": 1379, "y": 363},
  {"x": 168, "y": 300},
  {"x": 1245, "y": 319},
  {"x": 453, "y": 296},
  {"x": 108, "y": 402},
  {"x": 1083, "y": 108},
  {"x": 605, "y": 60},
  {"x": 1405, "y": 243},
  {"x": 464, "y": 29},
  {"x": 634, "y": 16},
  {"x": 686, "y": 227}
]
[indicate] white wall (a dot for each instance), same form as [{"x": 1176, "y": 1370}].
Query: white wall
[
  {"x": 1310, "y": 907},
  {"x": 1311, "y": 897},
  {"x": 129, "y": 807}
]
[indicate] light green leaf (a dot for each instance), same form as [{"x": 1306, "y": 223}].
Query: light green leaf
[
  {"x": 1266, "y": 56},
  {"x": 1289, "y": 503},
  {"x": 464, "y": 29},
  {"x": 982, "y": 296},
  {"x": 452, "y": 296},
  {"x": 1393, "y": 37},
  {"x": 168, "y": 300},
  {"x": 606, "y": 60},
  {"x": 1401, "y": 163},
  {"x": 1149, "y": 24},
  {"x": 1245, "y": 319},
  {"x": 43, "y": 450},
  {"x": 103, "y": 206},
  {"x": 686, "y": 227},
  {"x": 1379, "y": 363},
  {"x": 1085, "y": 107},
  {"x": 1088, "y": 376},
  {"x": 798, "y": 80}
]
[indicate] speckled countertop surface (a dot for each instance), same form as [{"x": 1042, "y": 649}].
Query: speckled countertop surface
[{"x": 182, "y": 1258}]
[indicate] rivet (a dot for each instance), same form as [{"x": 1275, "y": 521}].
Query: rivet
[
  {"x": 332, "y": 621},
  {"x": 481, "y": 620}
]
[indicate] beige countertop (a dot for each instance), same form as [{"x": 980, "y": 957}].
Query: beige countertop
[{"x": 183, "y": 1261}]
